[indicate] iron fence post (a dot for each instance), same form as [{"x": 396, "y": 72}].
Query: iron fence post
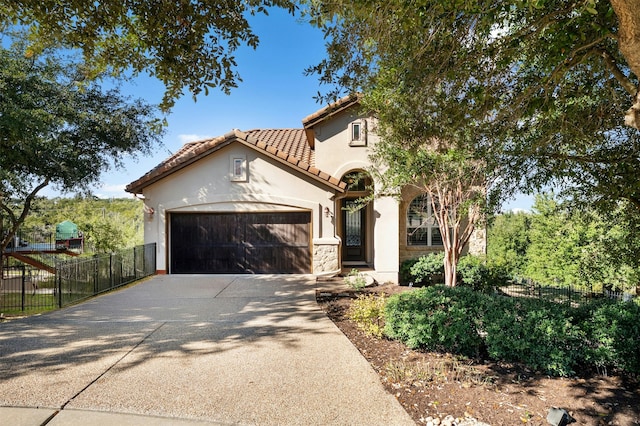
[
  {"x": 23, "y": 289},
  {"x": 95, "y": 274},
  {"x": 110, "y": 270},
  {"x": 135, "y": 266},
  {"x": 59, "y": 284}
]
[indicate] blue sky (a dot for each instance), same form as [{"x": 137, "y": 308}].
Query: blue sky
[{"x": 274, "y": 93}]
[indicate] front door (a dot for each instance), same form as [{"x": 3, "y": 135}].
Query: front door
[{"x": 353, "y": 232}]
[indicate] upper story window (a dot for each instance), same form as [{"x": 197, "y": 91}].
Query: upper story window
[
  {"x": 238, "y": 164},
  {"x": 358, "y": 133},
  {"x": 422, "y": 226}
]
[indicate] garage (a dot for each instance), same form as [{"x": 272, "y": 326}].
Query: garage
[{"x": 240, "y": 243}]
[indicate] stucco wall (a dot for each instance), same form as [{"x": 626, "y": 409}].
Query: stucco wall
[
  {"x": 337, "y": 154},
  {"x": 334, "y": 150},
  {"x": 206, "y": 186}
]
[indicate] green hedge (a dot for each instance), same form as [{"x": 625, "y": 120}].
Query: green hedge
[
  {"x": 613, "y": 334},
  {"x": 435, "y": 318},
  {"x": 534, "y": 332},
  {"x": 548, "y": 337},
  {"x": 473, "y": 271}
]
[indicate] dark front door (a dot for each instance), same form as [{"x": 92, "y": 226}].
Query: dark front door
[
  {"x": 258, "y": 243},
  {"x": 353, "y": 232}
]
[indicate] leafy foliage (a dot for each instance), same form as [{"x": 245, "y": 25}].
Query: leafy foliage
[
  {"x": 475, "y": 272},
  {"x": 435, "y": 318},
  {"x": 184, "y": 44},
  {"x": 612, "y": 335},
  {"x": 560, "y": 244},
  {"x": 426, "y": 269},
  {"x": 367, "y": 312},
  {"x": 549, "y": 337},
  {"x": 535, "y": 89},
  {"x": 508, "y": 241},
  {"x": 535, "y": 332},
  {"x": 108, "y": 225},
  {"x": 58, "y": 131}
]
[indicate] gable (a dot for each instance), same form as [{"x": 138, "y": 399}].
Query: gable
[{"x": 286, "y": 146}]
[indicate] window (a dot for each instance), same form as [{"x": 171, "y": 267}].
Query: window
[
  {"x": 355, "y": 132},
  {"x": 357, "y": 181},
  {"x": 422, "y": 226},
  {"x": 238, "y": 168},
  {"x": 358, "y": 134}
]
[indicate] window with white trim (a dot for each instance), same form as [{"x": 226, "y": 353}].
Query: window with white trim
[
  {"x": 238, "y": 164},
  {"x": 422, "y": 226},
  {"x": 358, "y": 133}
]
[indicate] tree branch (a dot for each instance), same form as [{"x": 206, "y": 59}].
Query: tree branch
[{"x": 611, "y": 64}]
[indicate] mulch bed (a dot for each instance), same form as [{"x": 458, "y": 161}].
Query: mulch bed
[{"x": 436, "y": 385}]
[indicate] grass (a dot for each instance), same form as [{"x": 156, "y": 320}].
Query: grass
[
  {"x": 11, "y": 304},
  {"x": 436, "y": 372}
]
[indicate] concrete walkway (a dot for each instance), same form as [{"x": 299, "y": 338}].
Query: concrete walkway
[{"x": 245, "y": 350}]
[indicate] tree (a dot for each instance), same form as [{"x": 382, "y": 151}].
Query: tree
[
  {"x": 536, "y": 88},
  {"x": 553, "y": 255},
  {"x": 107, "y": 224},
  {"x": 185, "y": 44},
  {"x": 452, "y": 179},
  {"x": 56, "y": 131},
  {"x": 508, "y": 241},
  {"x": 563, "y": 245}
]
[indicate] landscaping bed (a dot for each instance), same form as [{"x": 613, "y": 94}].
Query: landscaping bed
[{"x": 435, "y": 385}]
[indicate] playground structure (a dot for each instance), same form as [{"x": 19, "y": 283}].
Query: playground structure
[{"x": 41, "y": 249}]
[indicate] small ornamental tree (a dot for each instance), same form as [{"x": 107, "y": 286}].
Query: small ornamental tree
[{"x": 452, "y": 179}]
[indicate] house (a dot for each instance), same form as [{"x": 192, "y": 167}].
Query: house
[{"x": 278, "y": 201}]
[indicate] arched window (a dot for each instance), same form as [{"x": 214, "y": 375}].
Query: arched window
[
  {"x": 422, "y": 226},
  {"x": 357, "y": 181}
]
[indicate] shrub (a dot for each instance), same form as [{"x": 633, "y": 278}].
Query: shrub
[
  {"x": 612, "y": 335},
  {"x": 356, "y": 280},
  {"x": 405, "y": 271},
  {"x": 367, "y": 312},
  {"x": 535, "y": 332},
  {"x": 435, "y": 318},
  {"x": 475, "y": 272},
  {"x": 427, "y": 269},
  {"x": 546, "y": 336}
]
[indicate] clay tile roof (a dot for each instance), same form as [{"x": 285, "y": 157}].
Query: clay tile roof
[
  {"x": 289, "y": 146},
  {"x": 330, "y": 110},
  {"x": 293, "y": 142}
]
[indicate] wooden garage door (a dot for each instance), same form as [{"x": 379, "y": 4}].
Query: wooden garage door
[{"x": 252, "y": 243}]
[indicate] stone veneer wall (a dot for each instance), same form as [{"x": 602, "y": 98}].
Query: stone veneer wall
[
  {"x": 478, "y": 242},
  {"x": 325, "y": 259}
]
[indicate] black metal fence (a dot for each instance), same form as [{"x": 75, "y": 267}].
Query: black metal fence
[
  {"x": 563, "y": 294},
  {"x": 24, "y": 287}
]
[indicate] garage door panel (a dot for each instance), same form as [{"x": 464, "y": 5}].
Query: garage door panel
[{"x": 240, "y": 243}]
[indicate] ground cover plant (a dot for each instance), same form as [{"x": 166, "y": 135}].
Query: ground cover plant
[
  {"x": 430, "y": 383},
  {"x": 552, "y": 338}
]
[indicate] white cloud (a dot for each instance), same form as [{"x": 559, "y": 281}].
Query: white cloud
[
  {"x": 110, "y": 190},
  {"x": 519, "y": 210},
  {"x": 191, "y": 138}
]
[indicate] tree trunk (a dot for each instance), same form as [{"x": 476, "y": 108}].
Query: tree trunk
[
  {"x": 450, "y": 267},
  {"x": 628, "y": 13}
]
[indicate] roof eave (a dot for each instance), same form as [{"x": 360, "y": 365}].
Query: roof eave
[{"x": 139, "y": 185}]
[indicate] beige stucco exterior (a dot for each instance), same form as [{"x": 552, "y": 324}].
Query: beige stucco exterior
[
  {"x": 273, "y": 181},
  {"x": 206, "y": 186}
]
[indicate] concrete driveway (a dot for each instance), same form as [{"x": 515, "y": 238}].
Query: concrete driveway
[{"x": 186, "y": 349}]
